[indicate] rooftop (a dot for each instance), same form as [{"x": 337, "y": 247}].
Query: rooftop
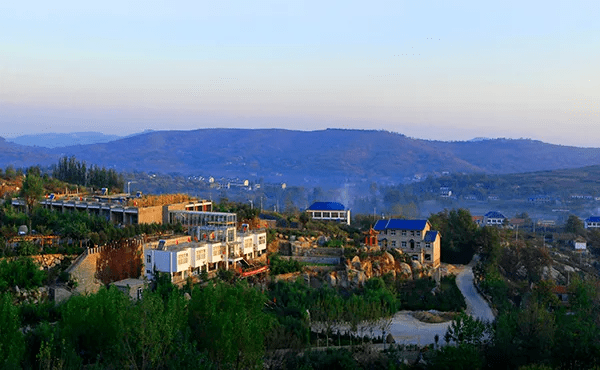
[
  {"x": 326, "y": 206},
  {"x": 430, "y": 236},
  {"x": 398, "y": 224},
  {"x": 494, "y": 214}
]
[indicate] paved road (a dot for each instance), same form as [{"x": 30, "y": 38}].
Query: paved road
[
  {"x": 476, "y": 305},
  {"x": 408, "y": 330}
]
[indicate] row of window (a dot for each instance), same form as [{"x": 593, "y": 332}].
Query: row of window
[
  {"x": 416, "y": 244},
  {"x": 404, "y": 232},
  {"x": 329, "y": 214}
]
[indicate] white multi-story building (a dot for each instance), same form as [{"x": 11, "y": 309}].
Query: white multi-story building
[{"x": 214, "y": 243}]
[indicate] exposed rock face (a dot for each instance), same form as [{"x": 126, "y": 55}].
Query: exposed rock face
[
  {"x": 417, "y": 269},
  {"x": 356, "y": 263},
  {"x": 331, "y": 278},
  {"x": 389, "y": 257},
  {"x": 405, "y": 271},
  {"x": 367, "y": 267}
]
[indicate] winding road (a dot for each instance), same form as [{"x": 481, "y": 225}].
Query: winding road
[{"x": 408, "y": 330}]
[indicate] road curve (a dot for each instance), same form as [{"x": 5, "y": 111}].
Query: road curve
[
  {"x": 476, "y": 305},
  {"x": 408, "y": 330}
]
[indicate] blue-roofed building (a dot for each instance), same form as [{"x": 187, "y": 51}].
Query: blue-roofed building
[
  {"x": 413, "y": 237},
  {"x": 494, "y": 218},
  {"x": 329, "y": 211},
  {"x": 592, "y": 222}
]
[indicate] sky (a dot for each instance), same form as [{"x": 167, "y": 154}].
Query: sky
[{"x": 441, "y": 70}]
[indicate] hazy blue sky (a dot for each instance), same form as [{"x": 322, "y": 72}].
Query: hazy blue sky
[{"x": 447, "y": 70}]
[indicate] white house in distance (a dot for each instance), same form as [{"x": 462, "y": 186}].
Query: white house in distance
[
  {"x": 579, "y": 244},
  {"x": 592, "y": 222},
  {"x": 214, "y": 243},
  {"x": 329, "y": 211},
  {"x": 493, "y": 218},
  {"x": 413, "y": 237}
]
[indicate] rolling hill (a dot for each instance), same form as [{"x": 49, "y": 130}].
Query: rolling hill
[{"x": 325, "y": 157}]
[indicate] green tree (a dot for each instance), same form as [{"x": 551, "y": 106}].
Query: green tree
[
  {"x": 228, "y": 322},
  {"x": 574, "y": 225},
  {"x": 12, "y": 344},
  {"x": 32, "y": 191},
  {"x": 464, "y": 329}
]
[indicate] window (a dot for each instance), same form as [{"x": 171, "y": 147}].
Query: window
[
  {"x": 216, "y": 251},
  {"x": 325, "y": 214},
  {"x": 247, "y": 243},
  {"x": 418, "y": 244},
  {"x": 262, "y": 239},
  {"x": 200, "y": 254},
  {"x": 415, "y": 257},
  {"x": 403, "y": 244},
  {"x": 403, "y": 232},
  {"x": 149, "y": 258},
  {"x": 317, "y": 214},
  {"x": 139, "y": 293},
  {"x": 427, "y": 245},
  {"x": 182, "y": 258},
  {"x": 392, "y": 232},
  {"x": 148, "y": 272},
  {"x": 393, "y": 243},
  {"x": 418, "y": 233},
  {"x": 412, "y": 233},
  {"x": 334, "y": 215},
  {"x": 428, "y": 257}
]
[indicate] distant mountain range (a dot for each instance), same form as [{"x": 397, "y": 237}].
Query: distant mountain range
[
  {"x": 56, "y": 140},
  {"x": 313, "y": 158}
]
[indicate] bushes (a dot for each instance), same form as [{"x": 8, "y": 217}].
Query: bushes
[
  {"x": 21, "y": 272},
  {"x": 280, "y": 265},
  {"x": 419, "y": 295}
]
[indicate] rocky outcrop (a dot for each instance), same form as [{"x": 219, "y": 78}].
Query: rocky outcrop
[{"x": 405, "y": 272}]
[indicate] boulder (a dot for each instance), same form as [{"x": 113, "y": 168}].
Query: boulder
[
  {"x": 390, "y": 339},
  {"x": 356, "y": 263},
  {"x": 375, "y": 248},
  {"x": 388, "y": 256},
  {"x": 331, "y": 279},
  {"x": 301, "y": 239},
  {"x": 367, "y": 267},
  {"x": 416, "y": 265},
  {"x": 359, "y": 279},
  {"x": 322, "y": 240},
  {"x": 405, "y": 271}
]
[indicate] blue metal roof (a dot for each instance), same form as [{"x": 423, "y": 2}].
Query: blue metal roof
[
  {"x": 396, "y": 224},
  {"x": 326, "y": 206},
  {"x": 494, "y": 214},
  {"x": 430, "y": 236},
  {"x": 593, "y": 219}
]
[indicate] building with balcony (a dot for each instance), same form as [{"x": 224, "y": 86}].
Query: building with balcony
[{"x": 213, "y": 243}]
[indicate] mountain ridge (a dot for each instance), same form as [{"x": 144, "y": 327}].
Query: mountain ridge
[{"x": 320, "y": 157}]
